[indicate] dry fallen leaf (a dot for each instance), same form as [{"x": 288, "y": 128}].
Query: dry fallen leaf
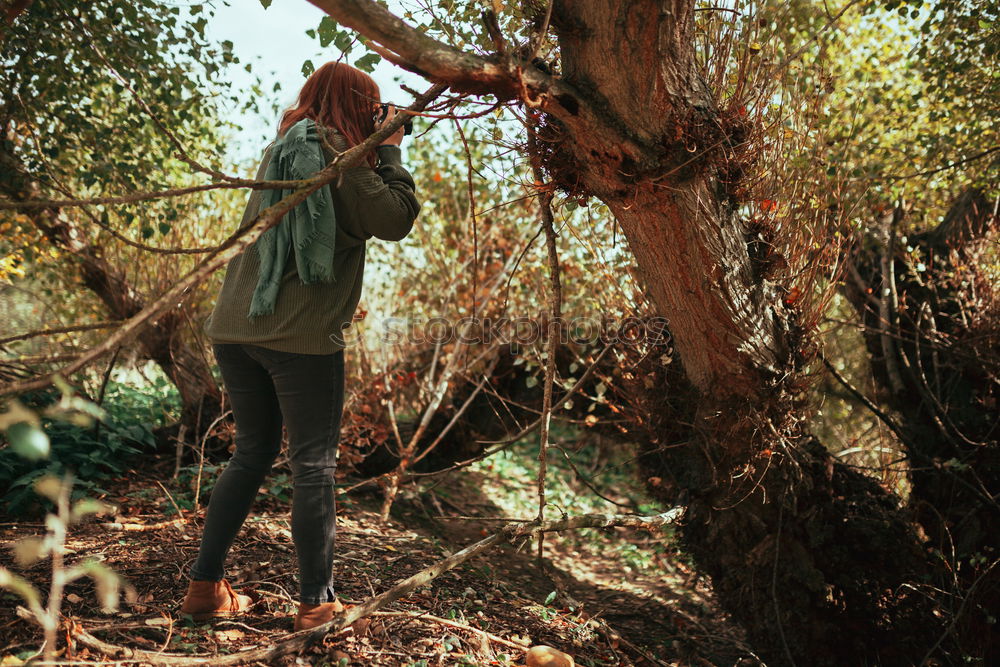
[{"x": 360, "y": 626}]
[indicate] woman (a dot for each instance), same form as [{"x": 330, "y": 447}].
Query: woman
[{"x": 277, "y": 332}]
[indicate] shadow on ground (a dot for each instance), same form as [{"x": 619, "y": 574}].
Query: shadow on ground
[{"x": 605, "y": 614}]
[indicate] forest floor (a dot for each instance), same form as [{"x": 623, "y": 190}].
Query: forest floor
[{"x": 624, "y": 598}]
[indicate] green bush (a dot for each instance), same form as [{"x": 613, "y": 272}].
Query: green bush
[{"x": 93, "y": 453}]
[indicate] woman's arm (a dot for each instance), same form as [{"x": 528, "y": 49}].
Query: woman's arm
[{"x": 384, "y": 202}]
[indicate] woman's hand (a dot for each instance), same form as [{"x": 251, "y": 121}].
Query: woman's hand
[{"x": 396, "y": 138}]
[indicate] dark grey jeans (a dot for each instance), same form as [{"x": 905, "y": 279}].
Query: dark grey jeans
[{"x": 305, "y": 391}]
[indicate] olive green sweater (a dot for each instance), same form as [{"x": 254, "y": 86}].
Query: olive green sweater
[{"x": 310, "y": 319}]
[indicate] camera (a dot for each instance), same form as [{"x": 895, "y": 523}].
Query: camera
[{"x": 383, "y": 111}]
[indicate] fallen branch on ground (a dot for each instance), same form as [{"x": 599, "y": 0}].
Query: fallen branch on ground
[
  {"x": 345, "y": 619},
  {"x": 141, "y": 527},
  {"x": 417, "y": 616},
  {"x": 501, "y": 445}
]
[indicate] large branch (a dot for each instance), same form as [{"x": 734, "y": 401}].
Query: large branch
[
  {"x": 505, "y": 76},
  {"x": 228, "y": 250},
  {"x": 970, "y": 218},
  {"x": 418, "y": 52}
]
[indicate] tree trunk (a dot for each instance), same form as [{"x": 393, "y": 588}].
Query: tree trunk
[
  {"x": 818, "y": 562},
  {"x": 815, "y": 560},
  {"x": 933, "y": 335}
]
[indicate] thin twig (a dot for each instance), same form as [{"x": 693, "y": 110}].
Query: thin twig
[
  {"x": 883, "y": 417},
  {"x": 555, "y": 306},
  {"x": 201, "y": 455},
  {"x": 231, "y": 248},
  {"x": 341, "y": 621},
  {"x": 501, "y": 445},
  {"x": 417, "y": 616}
]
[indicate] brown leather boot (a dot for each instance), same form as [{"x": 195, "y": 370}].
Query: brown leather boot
[
  {"x": 210, "y": 599},
  {"x": 311, "y": 615}
]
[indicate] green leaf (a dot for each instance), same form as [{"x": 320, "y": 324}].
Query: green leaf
[
  {"x": 327, "y": 31},
  {"x": 308, "y": 68},
  {"x": 21, "y": 587},
  {"x": 49, "y": 486},
  {"x": 367, "y": 62},
  {"x": 107, "y": 581},
  {"x": 88, "y": 506},
  {"x": 265, "y": 3},
  {"x": 28, "y": 441},
  {"x": 30, "y": 550},
  {"x": 343, "y": 42}
]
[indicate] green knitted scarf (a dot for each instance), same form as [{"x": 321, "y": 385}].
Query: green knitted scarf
[{"x": 309, "y": 228}]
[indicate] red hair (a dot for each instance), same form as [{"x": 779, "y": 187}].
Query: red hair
[{"x": 337, "y": 96}]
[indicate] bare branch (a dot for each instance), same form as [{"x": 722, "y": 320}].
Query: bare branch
[
  {"x": 552, "y": 339},
  {"x": 228, "y": 184},
  {"x": 231, "y": 248},
  {"x": 503, "y": 75},
  {"x": 417, "y": 51},
  {"x": 59, "y": 330}
]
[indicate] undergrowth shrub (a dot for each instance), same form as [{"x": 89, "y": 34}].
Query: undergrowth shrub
[{"x": 93, "y": 453}]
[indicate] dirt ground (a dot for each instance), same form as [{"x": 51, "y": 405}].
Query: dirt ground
[{"x": 602, "y": 614}]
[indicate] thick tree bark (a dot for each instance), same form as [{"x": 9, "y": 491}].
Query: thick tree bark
[
  {"x": 819, "y": 563},
  {"x": 788, "y": 535}
]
